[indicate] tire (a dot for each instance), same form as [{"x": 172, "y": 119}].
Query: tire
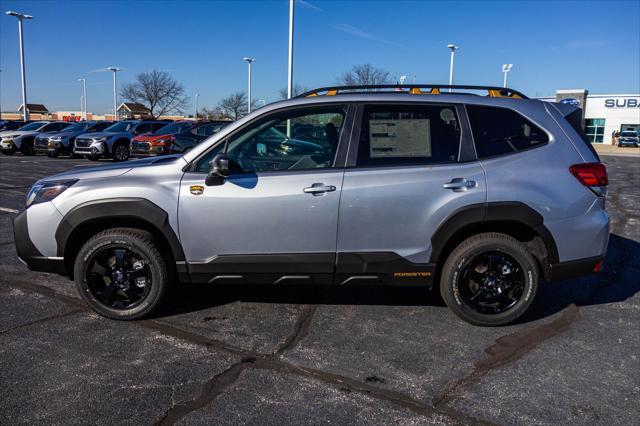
[
  {"x": 9, "y": 151},
  {"x": 490, "y": 279},
  {"x": 93, "y": 157},
  {"x": 120, "y": 152},
  {"x": 117, "y": 292},
  {"x": 27, "y": 148},
  {"x": 74, "y": 155},
  {"x": 53, "y": 154}
]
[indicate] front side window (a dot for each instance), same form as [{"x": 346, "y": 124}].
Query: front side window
[
  {"x": 100, "y": 127},
  {"x": 122, "y": 126},
  {"x": 408, "y": 135},
  {"x": 207, "y": 129},
  {"x": 33, "y": 126},
  {"x": 498, "y": 131},
  {"x": 285, "y": 141}
]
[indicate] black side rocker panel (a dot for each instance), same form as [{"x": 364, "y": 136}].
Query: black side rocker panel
[{"x": 114, "y": 208}]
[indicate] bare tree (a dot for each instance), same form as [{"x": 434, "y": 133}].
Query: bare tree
[
  {"x": 365, "y": 74},
  {"x": 156, "y": 90},
  {"x": 297, "y": 90},
  {"x": 205, "y": 113},
  {"x": 235, "y": 105}
]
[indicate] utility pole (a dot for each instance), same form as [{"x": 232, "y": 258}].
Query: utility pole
[
  {"x": 83, "y": 107},
  {"x": 196, "y": 108},
  {"x": 115, "y": 93},
  {"x": 505, "y": 69},
  {"x": 453, "y": 48},
  {"x": 290, "y": 68},
  {"x": 249, "y": 61}
]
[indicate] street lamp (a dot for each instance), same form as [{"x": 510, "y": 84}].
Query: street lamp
[
  {"x": 505, "y": 69},
  {"x": 196, "y": 107},
  {"x": 21, "y": 16},
  {"x": 249, "y": 61},
  {"x": 84, "y": 91},
  {"x": 290, "y": 67},
  {"x": 115, "y": 94},
  {"x": 453, "y": 48}
]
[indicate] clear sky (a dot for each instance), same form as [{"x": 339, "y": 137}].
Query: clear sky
[{"x": 553, "y": 45}]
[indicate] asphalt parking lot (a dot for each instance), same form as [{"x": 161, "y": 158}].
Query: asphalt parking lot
[{"x": 321, "y": 355}]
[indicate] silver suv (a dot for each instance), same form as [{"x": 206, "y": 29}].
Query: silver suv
[{"x": 479, "y": 197}]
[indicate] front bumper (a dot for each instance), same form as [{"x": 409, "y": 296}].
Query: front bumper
[
  {"x": 45, "y": 145},
  {"x": 96, "y": 148},
  {"x": 29, "y": 254},
  {"x": 7, "y": 145},
  {"x": 145, "y": 149}
]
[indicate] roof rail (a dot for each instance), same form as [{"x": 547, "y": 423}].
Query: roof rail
[{"x": 413, "y": 89}]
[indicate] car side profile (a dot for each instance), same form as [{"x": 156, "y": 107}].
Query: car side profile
[
  {"x": 115, "y": 141},
  {"x": 185, "y": 141},
  {"x": 23, "y": 138},
  {"x": 61, "y": 143},
  {"x": 477, "y": 197},
  {"x": 158, "y": 143}
]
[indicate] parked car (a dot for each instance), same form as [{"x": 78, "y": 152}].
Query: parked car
[
  {"x": 628, "y": 138},
  {"x": 23, "y": 138},
  {"x": 62, "y": 142},
  {"x": 12, "y": 124},
  {"x": 158, "y": 143},
  {"x": 185, "y": 141},
  {"x": 479, "y": 197},
  {"x": 115, "y": 140}
]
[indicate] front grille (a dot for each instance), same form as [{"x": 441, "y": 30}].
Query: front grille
[
  {"x": 140, "y": 146},
  {"x": 83, "y": 143},
  {"x": 41, "y": 142}
]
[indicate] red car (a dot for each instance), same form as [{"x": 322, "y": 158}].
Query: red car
[{"x": 158, "y": 143}]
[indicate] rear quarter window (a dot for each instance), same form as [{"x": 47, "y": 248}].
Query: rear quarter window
[{"x": 498, "y": 131}]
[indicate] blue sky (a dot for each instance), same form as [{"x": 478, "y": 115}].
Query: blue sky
[{"x": 553, "y": 45}]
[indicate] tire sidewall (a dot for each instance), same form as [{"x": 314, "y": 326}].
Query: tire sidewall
[
  {"x": 458, "y": 261},
  {"x": 112, "y": 241}
]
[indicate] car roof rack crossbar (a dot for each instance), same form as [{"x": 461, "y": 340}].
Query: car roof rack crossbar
[{"x": 413, "y": 89}]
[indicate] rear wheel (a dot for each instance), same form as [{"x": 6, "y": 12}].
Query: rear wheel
[
  {"x": 121, "y": 274},
  {"x": 489, "y": 279}
]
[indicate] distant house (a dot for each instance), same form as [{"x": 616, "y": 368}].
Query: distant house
[
  {"x": 35, "y": 109},
  {"x": 131, "y": 110}
]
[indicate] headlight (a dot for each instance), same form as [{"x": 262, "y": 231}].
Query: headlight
[
  {"x": 55, "y": 139},
  {"x": 100, "y": 139},
  {"x": 47, "y": 191},
  {"x": 163, "y": 141}
]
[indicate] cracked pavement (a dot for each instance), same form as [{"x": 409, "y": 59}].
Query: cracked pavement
[{"x": 293, "y": 355}]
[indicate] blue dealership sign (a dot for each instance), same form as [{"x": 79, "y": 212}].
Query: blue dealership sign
[{"x": 570, "y": 101}]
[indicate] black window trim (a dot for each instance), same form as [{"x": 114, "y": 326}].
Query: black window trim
[
  {"x": 466, "y": 149},
  {"x": 529, "y": 119},
  {"x": 338, "y": 162}
]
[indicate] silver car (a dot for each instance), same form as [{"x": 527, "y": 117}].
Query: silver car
[
  {"x": 478, "y": 197},
  {"x": 23, "y": 139}
]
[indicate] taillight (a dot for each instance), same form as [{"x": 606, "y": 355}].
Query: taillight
[{"x": 591, "y": 175}]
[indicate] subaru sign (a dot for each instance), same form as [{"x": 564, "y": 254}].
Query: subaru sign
[
  {"x": 570, "y": 101},
  {"x": 622, "y": 103}
]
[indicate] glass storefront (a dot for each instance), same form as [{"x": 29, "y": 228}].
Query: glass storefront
[{"x": 595, "y": 129}]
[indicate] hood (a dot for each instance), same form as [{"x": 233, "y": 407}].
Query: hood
[
  {"x": 113, "y": 169},
  {"x": 63, "y": 134},
  {"x": 19, "y": 133},
  {"x": 150, "y": 137},
  {"x": 96, "y": 135}
]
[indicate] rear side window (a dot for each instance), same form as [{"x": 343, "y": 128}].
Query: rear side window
[
  {"x": 498, "y": 131},
  {"x": 408, "y": 135}
]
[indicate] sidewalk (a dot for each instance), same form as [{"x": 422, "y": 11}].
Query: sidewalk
[{"x": 606, "y": 149}]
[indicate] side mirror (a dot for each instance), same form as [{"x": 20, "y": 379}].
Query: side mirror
[{"x": 219, "y": 170}]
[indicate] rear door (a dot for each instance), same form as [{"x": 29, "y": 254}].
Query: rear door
[{"x": 405, "y": 176}]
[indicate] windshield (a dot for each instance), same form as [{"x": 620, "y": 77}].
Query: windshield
[
  {"x": 33, "y": 126},
  {"x": 123, "y": 126},
  {"x": 628, "y": 134},
  {"x": 172, "y": 128},
  {"x": 79, "y": 127}
]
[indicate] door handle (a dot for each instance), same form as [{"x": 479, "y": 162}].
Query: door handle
[
  {"x": 319, "y": 189},
  {"x": 460, "y": 184}
]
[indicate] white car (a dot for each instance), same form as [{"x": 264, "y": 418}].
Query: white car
[{"x": 23, "y": 138}]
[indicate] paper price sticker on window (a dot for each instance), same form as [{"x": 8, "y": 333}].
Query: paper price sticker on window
[{"x": 400, "y": 138}]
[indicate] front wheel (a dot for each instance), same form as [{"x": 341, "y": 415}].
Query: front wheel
[
  {"x": 120, "y": 152},
  {"x": 121, "y": 274},
  {"x": 27, "y": 148},
  {"x": 490, "y": 279}
]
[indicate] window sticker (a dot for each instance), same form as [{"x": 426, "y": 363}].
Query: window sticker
[{"x": 400, "y": 138}]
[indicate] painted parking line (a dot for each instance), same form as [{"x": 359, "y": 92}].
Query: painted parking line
[{"x": 8, "y": 210}]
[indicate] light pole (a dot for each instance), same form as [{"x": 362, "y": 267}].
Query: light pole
[
  {"x": 21, "y": 16},
  {"x": 196, "y": 107},
  {"x": 290, "y": 67},
  {"x": 453, "y": 48},
  {"x": 115, "y": 93},
  {"x": 505, "y": 69},
  {"x": 249, "y": 61},
  {"x": 83, "y": 106}
]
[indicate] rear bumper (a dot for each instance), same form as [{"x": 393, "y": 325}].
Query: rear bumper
[
  {"x": 575, "y": 268},
  {"x": 29, "y": 254}
]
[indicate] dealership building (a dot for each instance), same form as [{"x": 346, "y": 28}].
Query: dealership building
[{"x": 603, "y": 115}]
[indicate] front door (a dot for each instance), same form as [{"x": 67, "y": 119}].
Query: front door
[{"x": 274, "y": 220}]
